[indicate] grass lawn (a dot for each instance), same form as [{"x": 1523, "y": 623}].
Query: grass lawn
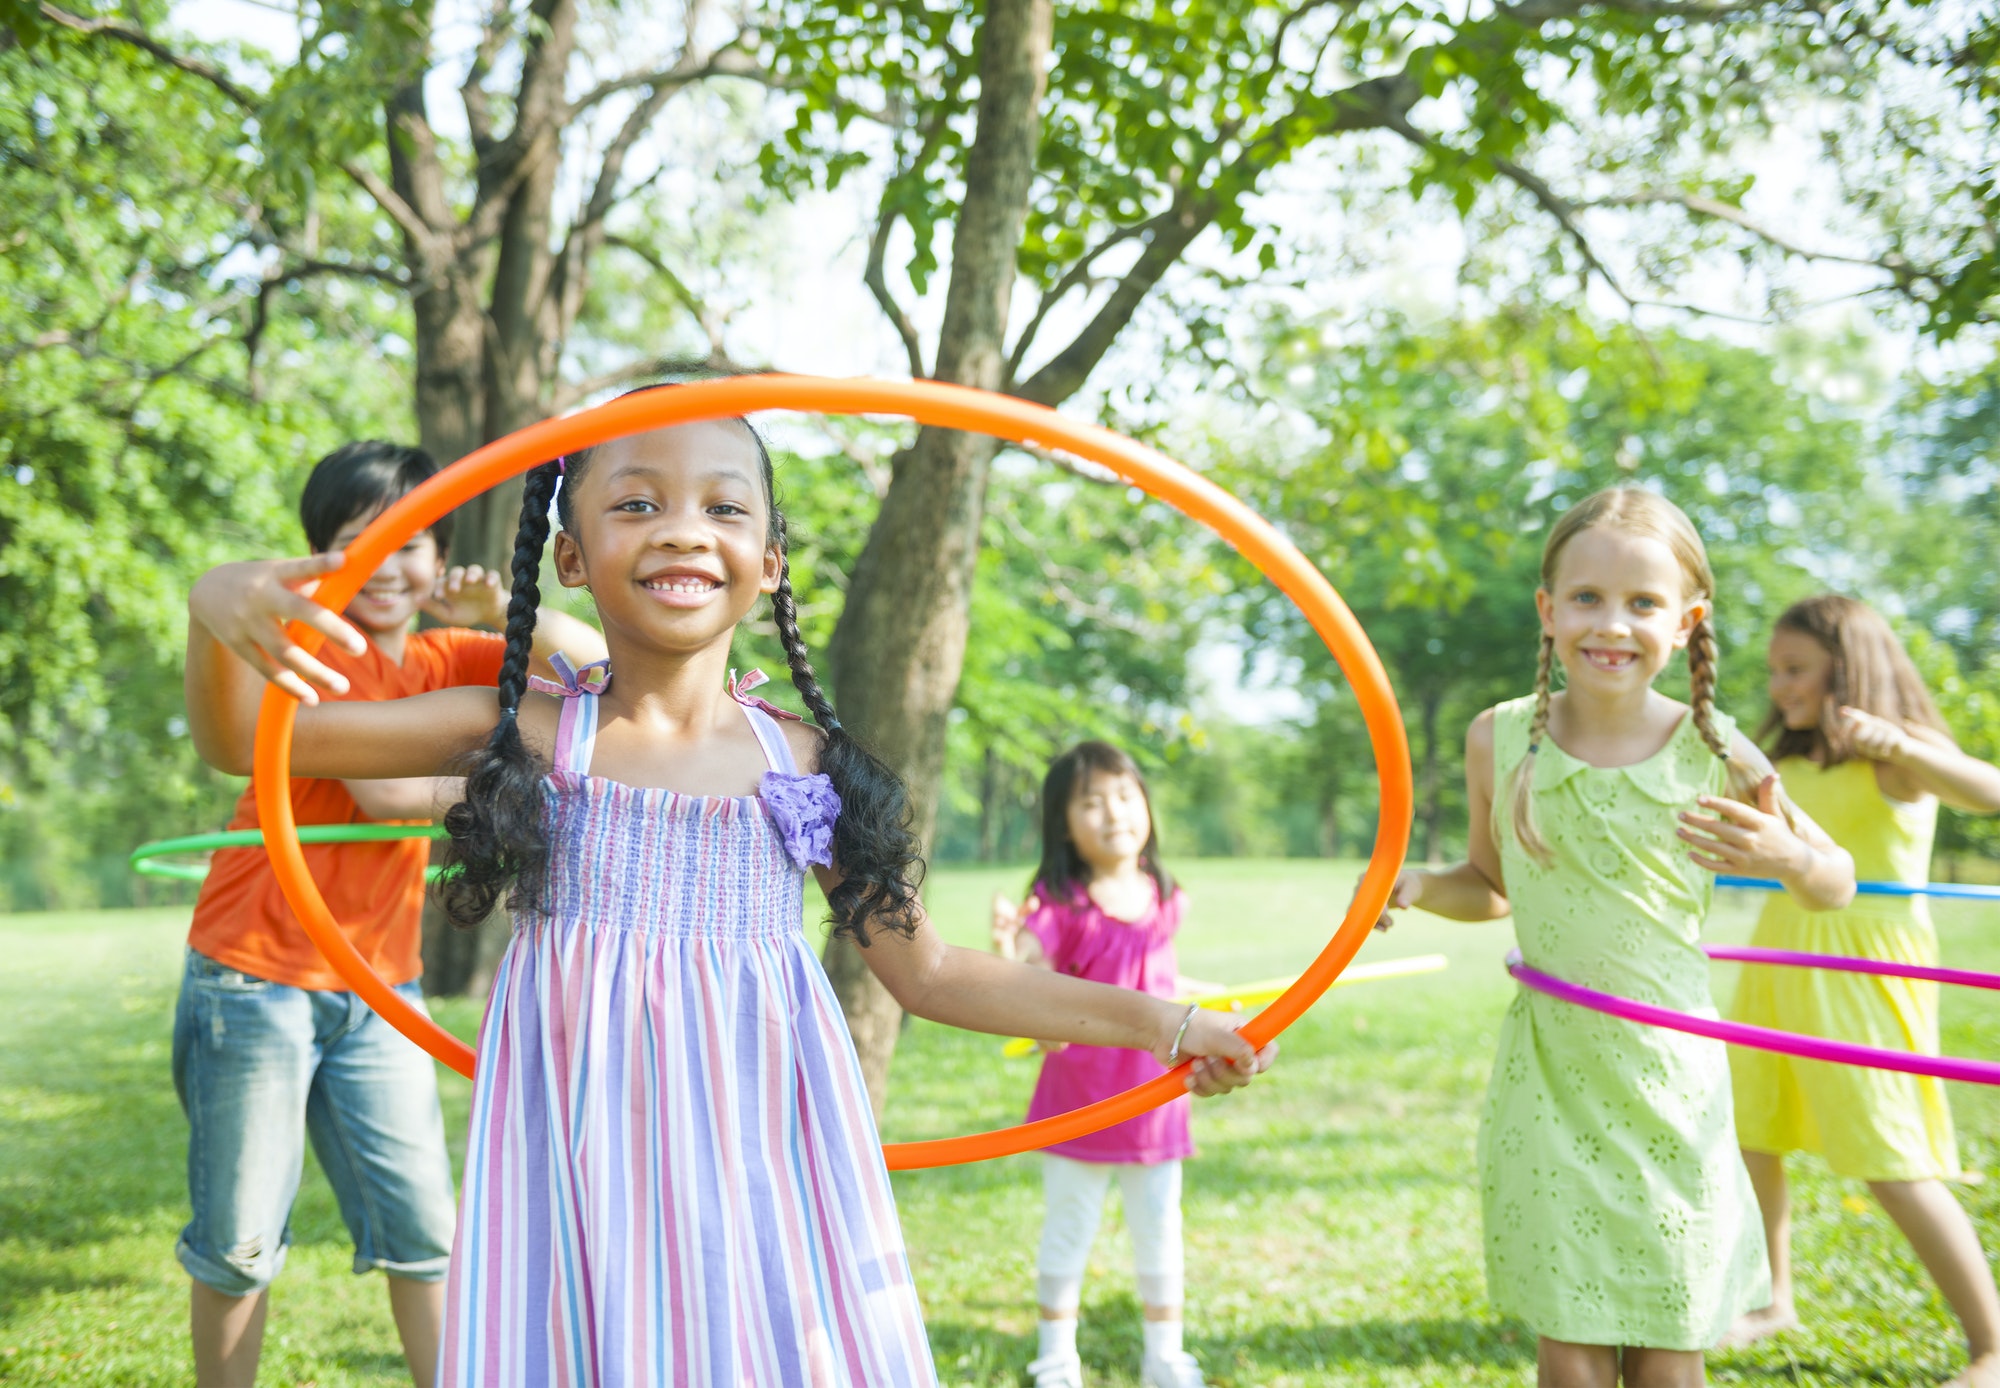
[{"x": 1332, "y": 1218}]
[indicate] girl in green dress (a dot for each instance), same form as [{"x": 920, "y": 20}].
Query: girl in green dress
[{"x": 1619, "y": 1221}]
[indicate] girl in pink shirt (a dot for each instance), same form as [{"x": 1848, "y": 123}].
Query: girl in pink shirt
[{"x": 1103, "y": 908}]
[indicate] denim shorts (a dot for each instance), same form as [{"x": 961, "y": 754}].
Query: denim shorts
[{"x": 258, "y": 1065}]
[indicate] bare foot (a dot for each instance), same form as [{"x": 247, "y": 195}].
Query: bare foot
[
  {"x": 1776, "y": 1320},
  {"x": 1983, "y": 1372}
]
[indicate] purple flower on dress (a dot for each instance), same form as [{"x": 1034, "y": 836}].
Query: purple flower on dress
[{"x": 804, "y": 809}]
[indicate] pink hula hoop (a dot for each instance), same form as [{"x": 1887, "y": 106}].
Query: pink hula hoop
[{"x": 1768, "y": 1038}]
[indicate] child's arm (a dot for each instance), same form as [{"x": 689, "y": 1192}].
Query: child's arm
[
  {"x": 1772, "y": 838},
  {"x": 1473, "y": 890},
  {"x": 237, "y": 640},
  {"x": 1923, "y": 761},
  {"x": 409, "y": 797},
  {"x": 424, "y": 735},
  {"x": 972, "y": 989}
]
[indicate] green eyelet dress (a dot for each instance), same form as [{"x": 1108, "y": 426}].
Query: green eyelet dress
[{"x": 1617, "y": 1208}]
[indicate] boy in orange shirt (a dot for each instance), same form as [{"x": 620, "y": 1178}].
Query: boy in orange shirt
[{"x": 268, "y": 1043}]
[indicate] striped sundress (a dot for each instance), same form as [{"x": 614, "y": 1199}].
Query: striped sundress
[{"x": 673, "y": 1174}]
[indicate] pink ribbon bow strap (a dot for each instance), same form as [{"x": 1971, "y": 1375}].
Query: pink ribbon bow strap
[
  {"x": 591, "y": 679},
  {"x": 739, "y": 690}
]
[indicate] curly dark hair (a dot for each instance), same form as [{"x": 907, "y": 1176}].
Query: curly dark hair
[{"x": 498, "y": 839}]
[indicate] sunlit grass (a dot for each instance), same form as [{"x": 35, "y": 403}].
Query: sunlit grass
[{"x": 1333, "y": 1225}]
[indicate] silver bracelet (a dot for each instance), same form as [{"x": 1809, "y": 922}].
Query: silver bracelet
[{"x": 1174, "y": 1055}]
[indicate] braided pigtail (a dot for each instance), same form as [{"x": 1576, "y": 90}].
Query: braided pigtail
[
  {"x": 1520, "y": 794},
  {"x": 497, "y": 840},
  {"x": 1742, "y": 777},
  {"x": 874, "y": 850}
]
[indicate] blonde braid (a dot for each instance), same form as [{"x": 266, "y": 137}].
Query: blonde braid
[
  {"x": 1740, "y": 777},
  {"x": 1701, "y": 685},
  {"x": 1520, "y": 798}
]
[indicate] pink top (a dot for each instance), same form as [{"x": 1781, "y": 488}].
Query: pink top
[{"x": 1079, "y": 939}]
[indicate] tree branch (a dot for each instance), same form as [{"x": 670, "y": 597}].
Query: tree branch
[
  {"x": 139, "y": 39},
  {"x": 1550, "y": 201},
  {"x": 714, "y": 364},
  {"x": 1564, "y": 213},
  {"x": 1715, "y": 209},
  {"x": 1077, "y": 274},
  {"x": 886, "y": 217},
  {"x": 689, "y": 299},
  {"x": 390, "y": 201},
  {"x": 1535, "y": 13},
  {"x": 878, "y": 285},
  {"x": 728, "y": 61},
  {"x": 478, "y": 109},
  {"x": 1369, "y": 105},
  {"x": 310, "y": 269}
]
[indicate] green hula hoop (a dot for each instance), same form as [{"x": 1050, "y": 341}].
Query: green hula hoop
[{"x": 143, "y": 857}]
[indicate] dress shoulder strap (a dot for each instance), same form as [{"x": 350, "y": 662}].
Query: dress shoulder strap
[
  {"x": 777, "y": 751},
  {"x": 576, "y": 734}
]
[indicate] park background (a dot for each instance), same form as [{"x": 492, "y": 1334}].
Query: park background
[{"x": 1410, "y": 278}]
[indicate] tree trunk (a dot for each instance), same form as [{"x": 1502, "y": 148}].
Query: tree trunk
[
  {"x": 900, "y": 643},
  {"x": 989, "y": 807},
  {"x": 1428, "y": 783},
  {"x": 482, "y": 348}
]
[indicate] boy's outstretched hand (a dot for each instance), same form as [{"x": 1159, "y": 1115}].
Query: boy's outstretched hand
[
  {"x": 469, "y": 596},
  {"x": 245, "y": 606}
]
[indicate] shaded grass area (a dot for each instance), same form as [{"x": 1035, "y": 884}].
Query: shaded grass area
[{"x": 1332, "y": 1218}]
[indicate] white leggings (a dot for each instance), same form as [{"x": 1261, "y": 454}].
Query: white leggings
[{"x": 1075, "y": 1194}]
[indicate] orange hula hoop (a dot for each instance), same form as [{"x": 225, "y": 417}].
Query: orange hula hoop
[{"x": 941, "y": 406}]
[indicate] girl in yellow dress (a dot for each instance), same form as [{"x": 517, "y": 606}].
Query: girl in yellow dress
[{"x": 1864, "y": 752}]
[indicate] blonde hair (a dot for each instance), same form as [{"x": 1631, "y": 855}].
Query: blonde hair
[
  {"x": 1871, "y": 671},
  {"x": 1633, "y": 511}
]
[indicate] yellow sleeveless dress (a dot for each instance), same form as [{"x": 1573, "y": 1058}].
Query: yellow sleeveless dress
[{"x": 1871, "y": 1125}]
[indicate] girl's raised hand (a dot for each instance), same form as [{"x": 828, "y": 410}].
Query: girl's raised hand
[
  {"x": 1009, "y": 916},
  {"x": 469, "y": 596},
  {"x": 1874, "y": 738},
  {"x": 1223, "y": 1059},
  {"x": 245, "y": 606},
  {"x": 1748, "y": 840}
]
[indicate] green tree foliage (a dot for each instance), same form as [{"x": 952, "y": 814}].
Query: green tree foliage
[
  {"x": 137, "y": 445},
  {"x": 1432, "y": 462},
  {"x": 1592, "y": 124}
]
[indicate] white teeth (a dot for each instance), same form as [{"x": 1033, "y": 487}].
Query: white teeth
[{"x": 681, "y": 585}]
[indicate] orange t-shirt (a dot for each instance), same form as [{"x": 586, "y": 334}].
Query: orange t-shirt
[{"x": 375, "y": 890}]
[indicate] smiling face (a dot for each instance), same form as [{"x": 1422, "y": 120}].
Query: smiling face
[
  {"x": 1801, "y": 677},
  {"x": 388, "y": 601},
  {"x": 670, "y": 532},
  {"x": 1617, "y": 609},
  {"x": 1109, "y": 821}
]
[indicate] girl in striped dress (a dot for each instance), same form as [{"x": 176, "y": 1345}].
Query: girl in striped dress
[{"x": 673, "y": 1173}]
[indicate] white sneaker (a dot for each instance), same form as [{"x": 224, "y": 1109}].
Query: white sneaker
[
  {"x": 1171, "y": 1371},
  {"x": 1060, "y": 1371}
]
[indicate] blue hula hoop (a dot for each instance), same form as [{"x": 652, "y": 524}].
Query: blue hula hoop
[{"x": 1958, "y": 890}]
